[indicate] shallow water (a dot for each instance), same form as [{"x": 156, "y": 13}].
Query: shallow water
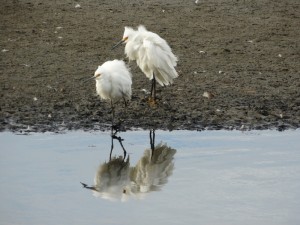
[{"x": 219, "y": 177}]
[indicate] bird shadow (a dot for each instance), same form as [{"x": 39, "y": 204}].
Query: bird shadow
[{"x": 118, "y": 180}]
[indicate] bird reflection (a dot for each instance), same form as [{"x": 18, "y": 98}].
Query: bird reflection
[{"x": 116, "y": 180}]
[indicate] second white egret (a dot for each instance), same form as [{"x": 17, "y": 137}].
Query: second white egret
[
  {"x": 152, "y": 54},
  {"x": 113, "y": 82}
]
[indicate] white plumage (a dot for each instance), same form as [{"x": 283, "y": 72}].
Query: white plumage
[
  {"x": 152, "y": 54},
  {"x": 113, "y": 81}
]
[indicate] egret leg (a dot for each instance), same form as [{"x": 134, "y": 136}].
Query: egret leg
[
  {"x": 112, "y": 142},
  {"x": 121, "y": 143},
  {"x": 125, "y": 102},
  {"x": 114, "y": 136},
  {"x": 112, "y": 128},
  {"x": 153, "y": 88},
  {"x": 152, "y": 98},
  {"x": 152, "y": 141},
  {"x": 112, "y": 113}
]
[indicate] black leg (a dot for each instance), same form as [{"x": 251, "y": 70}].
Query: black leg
[
  {"x": 151, "y": 92},
  {"x": 154, "y": 91},
  {"x": 112, "y": 142},
  {"x": 152, "y": 141},
  {"x": 112, "y": 113},
  {"x": 124, "y": 151},
  {"x": 114, "y": 136},
  {"x": 112, "y": 128},
  {"x": 153, "y": 88},
  {"x": 125, "y": 102}
]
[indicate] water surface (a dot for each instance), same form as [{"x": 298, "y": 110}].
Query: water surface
[{"x": 219, "y": 177}]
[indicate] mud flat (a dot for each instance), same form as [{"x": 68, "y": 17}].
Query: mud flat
[{"x": 244, "y": 53}]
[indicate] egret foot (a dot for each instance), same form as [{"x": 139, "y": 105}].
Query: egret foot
[
  {"x": 118, "y": 126},
  {"x": 152, "y": 102}
]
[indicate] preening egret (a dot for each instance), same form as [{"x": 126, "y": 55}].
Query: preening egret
[
  {"x": 113, "y": 82},
  {"x": 153, "y": 55}
]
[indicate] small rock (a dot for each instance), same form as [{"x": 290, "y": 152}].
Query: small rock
[
  {"x": 208, "y": 95},
  {"x": 145, "y": 91}
]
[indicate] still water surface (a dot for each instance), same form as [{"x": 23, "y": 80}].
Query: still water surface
[{"x": 210, "y": 177}]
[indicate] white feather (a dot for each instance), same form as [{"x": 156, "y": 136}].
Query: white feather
[
  {"x": 114, "y": 81},
  {"x": 152, "y": 54}
]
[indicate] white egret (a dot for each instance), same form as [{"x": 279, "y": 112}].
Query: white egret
[
  {"x": 153, "y": 55},
  {"x": 113, "y": 82}
]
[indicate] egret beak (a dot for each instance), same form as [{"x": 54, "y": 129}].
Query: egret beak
[
  {"x": 120, "y": 42},
  {"x": 116, "y": 45},
  {"x": 93, "y": 77}
]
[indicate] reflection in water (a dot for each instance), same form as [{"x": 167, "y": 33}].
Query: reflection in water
[{"x": 117, "y": 180}]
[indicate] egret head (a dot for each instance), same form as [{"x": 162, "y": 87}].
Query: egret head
[
  {"x": 97, "y": 73},
  {"x": 128, "y": 33}
]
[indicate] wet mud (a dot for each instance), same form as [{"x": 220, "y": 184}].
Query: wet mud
[{"x": 238, "y": 64}]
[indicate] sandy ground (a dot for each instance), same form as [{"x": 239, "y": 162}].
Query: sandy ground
[{"x": 244, "y": 52}]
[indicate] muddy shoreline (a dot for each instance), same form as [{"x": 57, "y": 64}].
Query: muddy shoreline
[{"x": 245, "y": 53}]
